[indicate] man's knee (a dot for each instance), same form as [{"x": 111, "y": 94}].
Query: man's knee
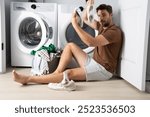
[{"x": 71, "y": 44}]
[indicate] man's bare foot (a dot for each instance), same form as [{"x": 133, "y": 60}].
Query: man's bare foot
[{"x": 23, "y": 79}]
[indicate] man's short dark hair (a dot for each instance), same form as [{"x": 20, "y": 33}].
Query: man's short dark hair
[{"x": 104, "y": 7}]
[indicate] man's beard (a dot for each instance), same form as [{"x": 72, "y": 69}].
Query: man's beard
[{"x": 105, "y": 23}]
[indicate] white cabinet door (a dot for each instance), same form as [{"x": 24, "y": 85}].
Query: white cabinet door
[
  {"x": 2, "y": 38},
  {"x": 135, "y": 25}
]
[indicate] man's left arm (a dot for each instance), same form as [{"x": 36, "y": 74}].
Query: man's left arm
[{"x": 87, "y": 38}]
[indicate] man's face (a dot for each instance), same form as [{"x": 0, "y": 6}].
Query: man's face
[{"x": 105, "y": 17}]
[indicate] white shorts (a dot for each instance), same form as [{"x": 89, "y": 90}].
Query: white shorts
[{"x": 94, "y": 71}]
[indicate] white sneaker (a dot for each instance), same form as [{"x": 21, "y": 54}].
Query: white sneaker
[{"x": 64, "y": 85}]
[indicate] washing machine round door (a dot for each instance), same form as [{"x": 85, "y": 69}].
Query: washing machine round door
[
  {"x": 33, "y": 32},
  {"x": 72, "y": 36}
]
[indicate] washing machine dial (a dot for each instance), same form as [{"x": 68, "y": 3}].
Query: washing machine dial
[{"x": 33, "y": 6}]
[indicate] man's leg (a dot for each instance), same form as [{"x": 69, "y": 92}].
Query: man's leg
[
  {"x": 25, "y": 79},
  {"x": 71, "y": 50},
  {"x": 73, "y": 74}
]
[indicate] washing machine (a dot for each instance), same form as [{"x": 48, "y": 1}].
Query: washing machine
[
  {"x": 32, "y": 26},
  {"x": 66, "y": 32}
]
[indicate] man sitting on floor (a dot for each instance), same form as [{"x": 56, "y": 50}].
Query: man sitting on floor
[{"x": 101, "y": 66}]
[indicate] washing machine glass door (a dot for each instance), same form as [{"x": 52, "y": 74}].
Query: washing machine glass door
[
  {"x": 30, "y": 32},
  {"x": 33, "y": 32},
  {"x": 72, "y": 36}
]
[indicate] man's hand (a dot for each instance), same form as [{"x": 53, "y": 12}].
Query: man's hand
[{"x": 90, "y": 2}]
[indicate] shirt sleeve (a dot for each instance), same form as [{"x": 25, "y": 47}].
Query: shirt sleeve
[{"x": 111, "y": 35}]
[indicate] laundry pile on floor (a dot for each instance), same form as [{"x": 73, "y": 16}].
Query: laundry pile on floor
[{"x": 41, "y": 58}]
